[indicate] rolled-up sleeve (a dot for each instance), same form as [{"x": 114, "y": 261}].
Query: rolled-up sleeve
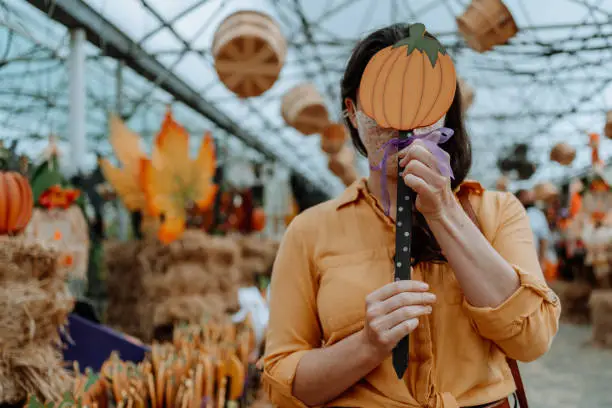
[
  {"x": 294, "y": 327},
  {"x": 525, "y": 324}
]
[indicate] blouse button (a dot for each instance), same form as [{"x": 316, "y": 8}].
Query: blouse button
[{"x": 552, "y": 296}]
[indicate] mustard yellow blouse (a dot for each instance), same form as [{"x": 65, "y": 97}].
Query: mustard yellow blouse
[{"x": 336, "y": 253}]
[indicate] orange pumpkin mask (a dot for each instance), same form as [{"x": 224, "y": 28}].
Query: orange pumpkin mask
[{"x": 409, "y": 85}]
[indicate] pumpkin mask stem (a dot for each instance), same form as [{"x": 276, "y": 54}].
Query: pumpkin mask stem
[{"x": 416, "y": 40}]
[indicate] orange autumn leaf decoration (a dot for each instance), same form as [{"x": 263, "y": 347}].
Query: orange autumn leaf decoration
[
  {"x": 172, "y": 181},
  {"x": 125, "y": 180}
]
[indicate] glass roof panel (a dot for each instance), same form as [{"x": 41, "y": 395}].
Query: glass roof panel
[{"x": 551, "y": 82}]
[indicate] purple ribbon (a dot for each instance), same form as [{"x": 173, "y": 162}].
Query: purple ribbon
[{"x": 431, "y": 140}]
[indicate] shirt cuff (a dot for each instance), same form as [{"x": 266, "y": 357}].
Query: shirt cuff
[
  {"x": 278, "y": 384},
  {"x": 505, "y": 320}
]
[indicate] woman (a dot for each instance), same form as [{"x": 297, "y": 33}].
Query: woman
[{"x": 475, "y": 298}]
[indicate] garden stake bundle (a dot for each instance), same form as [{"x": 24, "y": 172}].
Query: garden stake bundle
[
  {"x": 204, "y": 366},
  {"x": 407, "y": 87}
]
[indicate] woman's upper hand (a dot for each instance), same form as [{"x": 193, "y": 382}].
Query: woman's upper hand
[
  {"x": 422, "y": 174},
  {"x": 392, "y": 312}
]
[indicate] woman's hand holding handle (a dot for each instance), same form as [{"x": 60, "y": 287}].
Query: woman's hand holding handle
[{"x": 392, "y": 312}]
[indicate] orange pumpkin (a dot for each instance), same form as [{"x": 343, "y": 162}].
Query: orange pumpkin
[
  {"x": 408, "y": 85},
  {"x": 333, "y": 138},
  {"x": 258, "y": 220},
  {"x": 16, "y": 203}
]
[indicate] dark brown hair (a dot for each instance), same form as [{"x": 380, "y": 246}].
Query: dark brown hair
[{"x": 425, "y": 247}]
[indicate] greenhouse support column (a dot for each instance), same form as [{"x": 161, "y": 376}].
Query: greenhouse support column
[
  {"x": 78, "y": 94},
  {"x": 123, "y": 216}
]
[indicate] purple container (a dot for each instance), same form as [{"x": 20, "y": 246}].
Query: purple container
[{"x": 92, "y": 344}]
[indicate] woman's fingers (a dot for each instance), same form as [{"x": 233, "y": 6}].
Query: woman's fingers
[
  {"x": 431, "y": 176},
  {"x": 418, "y": 151},
  {"x": 398, "y": 316},
  {"x": 407, "y": 299},
  {"x": 396, "y": 287},
  {"x": 394, "y": 335}
]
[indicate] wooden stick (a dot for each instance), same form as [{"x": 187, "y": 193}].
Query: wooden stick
[{"x": 152, "y": 393}]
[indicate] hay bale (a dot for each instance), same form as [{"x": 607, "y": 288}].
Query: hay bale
[
  {"x": 150, "y": 282},
  {"x": 601, "y": 312},
  {"x": 258, "y": 256},
  {"x": 574, "y": 296},
  {"x": 28, "y": 314},
  {"x": 22, "y": 261},
  {"x": 34, "y": 305}
]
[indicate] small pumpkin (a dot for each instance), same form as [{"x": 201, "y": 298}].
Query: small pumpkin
[
  {"x": 16, "y": 203},
  {"x": 258, "y": 220},
  {"x": 410, "y": 84}
]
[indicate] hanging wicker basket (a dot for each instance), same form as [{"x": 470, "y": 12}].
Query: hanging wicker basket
[
  {"x": 333, "y": 138},
  {"x": 608, "y": 127},
  {"x": 303, "y": 108},
  {"x": 485, "y": 24},
  {"x": 563, "y": 154},
  {"x": 467, "y": 95},
  {"x": 249, "y": 50}
]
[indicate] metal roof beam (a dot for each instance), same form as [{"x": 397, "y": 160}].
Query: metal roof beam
[{"x": 116, "y": 44}]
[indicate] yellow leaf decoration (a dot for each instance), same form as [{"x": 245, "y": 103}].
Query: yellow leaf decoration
[
  {"x": 172, "y": 181},
  {"x": 126, "y": 180}
]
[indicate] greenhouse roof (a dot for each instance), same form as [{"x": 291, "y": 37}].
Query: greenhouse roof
[{"x": 550, "y": 83}]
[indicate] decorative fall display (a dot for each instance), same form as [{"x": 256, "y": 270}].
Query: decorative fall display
[
  {"x": 258, "y": 222},
  {"x": 151, "y": 284},
  {"x": 333, "y": 138},
  {"x": 597, "y": 200},
  {"x": 58, "y": 197},
  {"x": 16, "y": 203},
  {"x": 303, "y": 108},
  {"x": 67, "y": 232},
  {"x": 485, "y": 24},
  {"x": 204, "y": 366},
  {"x": 173, "y": 182},
  {"x": 563, "y": 153},
  {"x": 126, "y": 181},
  {"x": 170, "y": 184},
  {"x": 249, "y": 51},
  {"x": 608, "y": 127},
  {"x": 34, "y": 305},
  {"x": 408, "y": 85},
  {"x": 59, "y": 221}
]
